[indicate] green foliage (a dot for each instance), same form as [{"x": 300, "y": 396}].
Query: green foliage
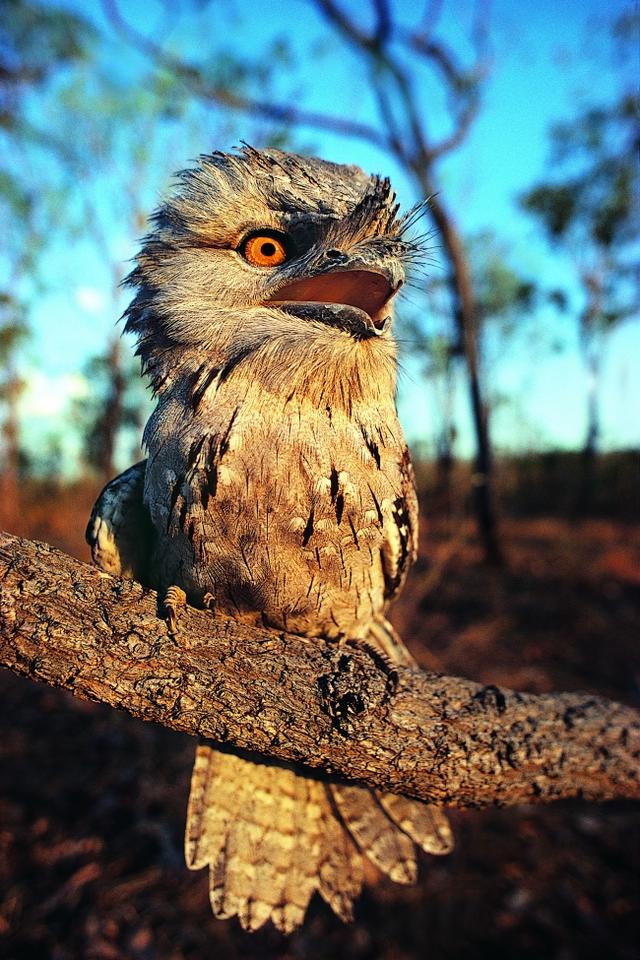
[
  {"x": 589, "y": 208},
  {"x": 85, "y": 153},
  {"x": 555, "y": 205},
  {"x": 14, "y": 196},
  {"x": 35, "y": 42},
  {"x": 591, "y": 213},
  {"x": 42, "y": 36},
  {"x": 590, "y": 200},
  {"x": 502, "y": 294},
  {"x": 589, "y": 204},
  {"x": 13, "y": 333},
  {"x": 598, "y": 202}
]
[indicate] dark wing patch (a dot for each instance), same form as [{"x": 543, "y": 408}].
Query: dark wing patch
[
  {"x": 120, "y": 531},
  {"x": 197, "y": 485},
  {"x": 204, "y": 377}
]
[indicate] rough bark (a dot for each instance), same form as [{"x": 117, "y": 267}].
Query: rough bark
[{"x": 442, "y": 739}]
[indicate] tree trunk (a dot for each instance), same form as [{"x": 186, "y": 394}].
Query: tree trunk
[
  {"x": 111, "y": 419},
  {"x": 462, "y": 295},
  {"x": 590, "y": 448},
  {"x": 590, "y": 320},
  {"x": 10, "y": 466}
]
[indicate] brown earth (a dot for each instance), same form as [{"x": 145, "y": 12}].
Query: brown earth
[{"x": 92, "y": 802}]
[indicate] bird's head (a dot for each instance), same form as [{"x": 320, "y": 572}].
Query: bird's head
[{"x": 262, "y": 244}]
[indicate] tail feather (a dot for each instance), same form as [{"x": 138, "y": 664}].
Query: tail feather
[
  {"x": 426, "y": 825},
  {"x": 388, "y": 847},
  {"x": 340, "y": 871},
  {"x": 270, "y": 838},
  {"x": 206, "y": 821},
  {"x": 263, "y": 871},
  {"x": 382, "y": 634}
]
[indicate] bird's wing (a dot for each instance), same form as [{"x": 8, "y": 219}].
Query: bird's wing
[
  {"x": 120, "y": 531},
  {"x": 400, "y": 529}
]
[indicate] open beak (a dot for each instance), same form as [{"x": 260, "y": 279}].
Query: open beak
[{"x": 357, "y": 300}]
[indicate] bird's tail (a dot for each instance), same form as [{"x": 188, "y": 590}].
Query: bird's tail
[{"x": 271, "y": 836}]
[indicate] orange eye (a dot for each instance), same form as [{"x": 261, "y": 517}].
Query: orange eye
[{"x": 264, "y": 250}]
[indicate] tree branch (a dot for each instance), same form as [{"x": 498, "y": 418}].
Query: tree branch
[
  {"x": 442, "y": 739},
  {"x": 194, "y": 79}
]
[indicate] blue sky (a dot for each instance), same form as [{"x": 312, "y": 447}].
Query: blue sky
[{"x": 547, "y": 59}]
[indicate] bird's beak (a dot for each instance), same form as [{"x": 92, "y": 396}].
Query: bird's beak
[{"x": 357, "y": 300}]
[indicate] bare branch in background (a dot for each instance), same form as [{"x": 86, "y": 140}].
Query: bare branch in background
[{"x": 191, "y": 76}]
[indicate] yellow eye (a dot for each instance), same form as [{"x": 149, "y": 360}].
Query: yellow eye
[{"x": 264, "y": 250}]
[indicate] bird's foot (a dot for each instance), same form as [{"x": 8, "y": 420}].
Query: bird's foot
[
  {"x": 209, "y": 601},
  {"x": 174, "y": 598}
]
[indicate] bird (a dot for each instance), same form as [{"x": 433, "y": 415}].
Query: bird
[{"x": 277, "y": 490}]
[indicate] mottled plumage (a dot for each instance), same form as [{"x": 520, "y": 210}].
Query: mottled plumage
[{"x": 278, "y": 487}]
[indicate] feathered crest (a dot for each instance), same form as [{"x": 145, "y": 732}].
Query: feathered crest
[{"x": 374, "y": 215}]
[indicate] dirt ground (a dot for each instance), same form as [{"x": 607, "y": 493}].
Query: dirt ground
[{"x": 92, "y": 802}]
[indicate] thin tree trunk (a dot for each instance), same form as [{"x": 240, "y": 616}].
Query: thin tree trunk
[
  {"x": 111, "y": 419},
  {"x": 10, "y": 467},
  {"x": 589, "y": 324},
  {"x": 590, "y": 448},
  {"x": 465, "y": 314}
]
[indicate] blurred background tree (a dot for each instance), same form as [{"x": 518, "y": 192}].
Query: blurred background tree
[
  {"x": 590, "y": 207},
  {"x": 112, "y": 417},
  {"x": 35, "y": 45}
]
